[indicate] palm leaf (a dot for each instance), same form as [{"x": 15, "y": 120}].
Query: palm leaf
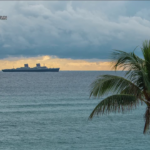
[
  {"x": 135, "y": 67},
  {"x": 140, "y": 78},
  {"x": 115, "y": 103},
  {"x": 126, "y": 61},
  {"x": 105, "y": 84},
  {"x": 146, "y": 54}
]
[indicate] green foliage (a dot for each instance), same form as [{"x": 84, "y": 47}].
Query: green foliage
[
  {"x": 115, "y": 84},
  {"x": 115, "y": 103},
  {"x": 146, "y": 54},
  {"x": 127, "y": 91},
  {"x": 134, "y": 67}
]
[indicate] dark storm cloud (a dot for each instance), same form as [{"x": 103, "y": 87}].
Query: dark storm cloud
[{"x": 78, "y": 30}]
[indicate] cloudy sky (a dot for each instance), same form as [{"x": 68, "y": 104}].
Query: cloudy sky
[{"x": 72, "y": 35}]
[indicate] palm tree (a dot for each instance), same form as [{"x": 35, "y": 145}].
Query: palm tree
[{"x": 130, "y": 90}]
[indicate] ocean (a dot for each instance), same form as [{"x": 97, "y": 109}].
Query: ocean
[{"x": 49, "y": 111}]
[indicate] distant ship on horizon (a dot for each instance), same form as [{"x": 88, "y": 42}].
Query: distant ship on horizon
[{"x": 38, "y": 68}]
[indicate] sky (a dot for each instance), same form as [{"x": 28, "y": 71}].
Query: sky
[{"x": 72, "y": 35}]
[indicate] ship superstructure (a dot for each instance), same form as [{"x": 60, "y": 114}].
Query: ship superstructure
[{"x": 38, "y": 68}]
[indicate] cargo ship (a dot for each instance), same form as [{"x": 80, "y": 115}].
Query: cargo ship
[{"x": 38, "y": 68}]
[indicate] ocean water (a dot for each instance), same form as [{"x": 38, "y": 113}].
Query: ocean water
[{"x": 49, "y": 111}]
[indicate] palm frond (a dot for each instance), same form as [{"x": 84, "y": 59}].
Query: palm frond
[
  {"x": 105, "y": 84},
  {"x": 115, "y": 103},
  {"x": 135, "y": 67},
  {"x": 147, "y": 120},
  {"x": 126, "y": 61},
  {"x": 140, "y": 78},
  {"x": 146, "y": 54}
]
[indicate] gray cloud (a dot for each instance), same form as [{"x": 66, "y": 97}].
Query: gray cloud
[{"x": 78, "y": 30}]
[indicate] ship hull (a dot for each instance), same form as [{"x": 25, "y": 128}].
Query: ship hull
[{"x": 32, "y": 70}]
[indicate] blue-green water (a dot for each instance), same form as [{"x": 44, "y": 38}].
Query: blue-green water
[{"x": 49, "y": 111}]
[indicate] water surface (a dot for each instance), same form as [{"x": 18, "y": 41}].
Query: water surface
[{"x": 49, "y": 111}]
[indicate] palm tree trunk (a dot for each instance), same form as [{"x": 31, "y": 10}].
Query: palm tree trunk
[{"x": 147, "y": 119}]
